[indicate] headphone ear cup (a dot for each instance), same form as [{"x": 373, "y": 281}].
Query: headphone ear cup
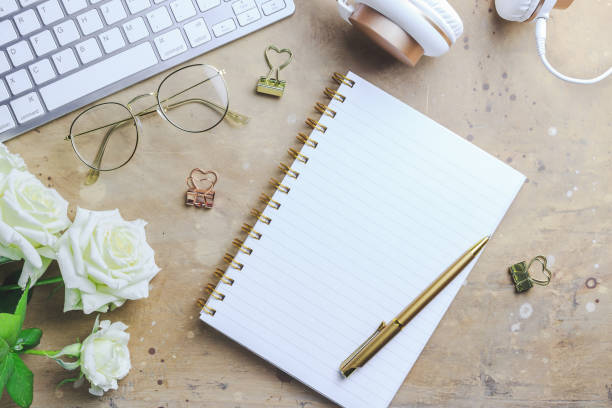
[
  {"x": 516, "y": 10},
  {"x": 386, "y": 34}
]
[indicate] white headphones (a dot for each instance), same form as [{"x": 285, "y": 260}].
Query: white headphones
[
  {"x": 408, "y": 29},
  {"x": 538, "y": 10}
]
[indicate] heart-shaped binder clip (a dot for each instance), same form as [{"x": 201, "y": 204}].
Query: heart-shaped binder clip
[
  {"x": 197, "y": 196},
  {"x": 522, "y": 279},
  {"x": 274, "y": 86}
]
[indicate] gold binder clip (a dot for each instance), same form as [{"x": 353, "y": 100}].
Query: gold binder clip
[
  {"x": 274, "y": 86},
  {"x": 197, "y": 196},
  {"x": 522, "y": 279}
]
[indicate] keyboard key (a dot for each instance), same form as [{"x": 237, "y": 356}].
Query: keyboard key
[
  {"x": 7, "y": 32},
  {"x": 170, "y": 44},
  {"x": 159, "y": 19},
  {"x": 43, "y": 42},
  {"x": 197, "y": 33},
  {"x": 4, "y": 93},
  {"x": 88, "y": 50},
  {"x": 20, "y": 53},
  {"x": 72, "y": 6},
  {"x": 137, "y": 6},
  {"x": 113, "y": 11},
  {"x": 42, "y": 71},
  {"x": 7, "y": 7},
  {"x": 27, "y": 22},
  {"x": 224, "y": 27},
  {"x": 99, "y": 75},
  {"x": 241, "y": 6},
  {"x": 27, "y": 107},
  {"x": 112, "y": 40},
  {"x": 66, "y": 32},
  {"x": 4, "y": 64},
  {"x": 6, "y": 120},
  {"x": 26, "y": 3},
  {"x": 19, "y": 81},
  {"x": 182, "y": 9},
  {"x": 248, "y": 17},
  {"x": 135, "y": 29},
  {"x": 65, "y": 61},
  {"x": 90, "y": 22},
  {"x": 206, "y": 5},
  {"x": 272, "y": 6},
  {"x": 50, "y": 11}
]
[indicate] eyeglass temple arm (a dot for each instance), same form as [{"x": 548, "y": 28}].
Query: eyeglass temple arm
[{"x": 93, "y": 174}]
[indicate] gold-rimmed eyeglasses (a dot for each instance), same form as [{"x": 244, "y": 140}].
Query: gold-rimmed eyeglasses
[{"x": 193, "y": 98}]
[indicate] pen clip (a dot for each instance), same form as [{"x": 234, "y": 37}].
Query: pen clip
[{"x": 345, "y": 368}]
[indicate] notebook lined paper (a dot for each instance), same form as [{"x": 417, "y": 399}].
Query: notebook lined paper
[{"x": 386, "y": 202}]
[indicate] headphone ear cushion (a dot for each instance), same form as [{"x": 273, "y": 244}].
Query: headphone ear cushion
[
  {"x": 516, "y": 10},
  {"x": 447, "y": 14}
]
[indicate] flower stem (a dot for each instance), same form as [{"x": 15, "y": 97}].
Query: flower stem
[
  {"x": 46, "y": 353},
  {"x": 41, "y": 282}
]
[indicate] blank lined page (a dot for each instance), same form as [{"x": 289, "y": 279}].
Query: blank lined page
[{"x": 386, "y": 202}]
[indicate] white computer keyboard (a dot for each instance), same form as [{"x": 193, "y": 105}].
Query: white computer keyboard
[{"x": 59, "y": 55}]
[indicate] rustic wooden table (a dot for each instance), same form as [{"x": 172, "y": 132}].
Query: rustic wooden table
[{"x": 550, "y": 347}]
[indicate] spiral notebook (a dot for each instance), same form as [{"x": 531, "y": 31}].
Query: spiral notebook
[{"x": 379, "y": 201}]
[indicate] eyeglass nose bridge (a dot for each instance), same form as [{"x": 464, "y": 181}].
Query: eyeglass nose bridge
[{"x": 153, "y": 108}]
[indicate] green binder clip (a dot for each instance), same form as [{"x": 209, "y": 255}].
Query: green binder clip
[
  {"x": 521, "y": 278},
  {"x": 274, "y": 86}
]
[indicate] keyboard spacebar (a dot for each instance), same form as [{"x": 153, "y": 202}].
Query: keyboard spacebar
[{"x": 95, "y": 77}]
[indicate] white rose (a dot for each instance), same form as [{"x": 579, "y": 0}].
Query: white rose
[
  {"x": 105, "y": 357},
  {"x": 32, "y": 217},
  {"x": 104, "y": 261},
  {"x": 8, "y": 162}
]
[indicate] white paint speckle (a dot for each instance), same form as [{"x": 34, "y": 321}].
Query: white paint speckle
[
  {"x": 526, "y": 310},
  {"x": 141, "y": 339},
  {"x": 550, "y": 260},
  {"x": 590, "y": 307},
  {"x": 596, "y": 266},
  {"x": 569, "y": 193},
  {"x": 545, "y": 360},
  {"x": 245, "y": 166},
  {"x": 552, "y": 131},
  {"x": 153, "y": 323},
  {"x": 515, "y": 327},
  {"x": 594, "y": 241},
  {"x": 577, "y": 171},
  {"x": 575, "y": 188},
  {"x": 190, "y": 335},
  {"x": 291, "y": 119}
]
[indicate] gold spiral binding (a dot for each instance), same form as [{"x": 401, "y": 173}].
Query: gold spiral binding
[
  {"x": 325, "y": 110},
  {"x": 306, "y": 140},
  {"x": 341, "y": 79},
  {"x": 206, "y": 308},
  {"x": 238, "y": 243},
  {"x": 223, "y": 278},
  {"x": 316, "y": 125},
  {"x": 264, "y": 198},
  {"x": 210, "y": 288},
  {"x": 229, "y": 259},
  {"x": 279, "y": 186},
  {"x": 333, "y": 94},
  {"x": 259, "y": 215},
  {"x": 288, "y": 171},
  {"x": 297, "y": 155},
  {"x": 249, "y": 230}
]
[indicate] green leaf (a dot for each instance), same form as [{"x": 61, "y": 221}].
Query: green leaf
[
  {"x": 27, "y": 339},
  {"x": 6, "y": 370},
  {"x": 20, "y": 310},
  {"x": 10, "y": 298},
  {"x": 20, "y": 385},
  {"x": 9, "y": 327},
  {"x": 4, "y": 349}
]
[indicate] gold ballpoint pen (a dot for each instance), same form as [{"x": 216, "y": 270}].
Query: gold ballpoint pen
[{"x": 385, "y": 332}]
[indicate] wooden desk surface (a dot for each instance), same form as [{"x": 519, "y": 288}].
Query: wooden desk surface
[{"x": 550, "y": 347}]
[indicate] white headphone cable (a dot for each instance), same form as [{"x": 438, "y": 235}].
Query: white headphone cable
[{"x": 541, "y": 46}]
